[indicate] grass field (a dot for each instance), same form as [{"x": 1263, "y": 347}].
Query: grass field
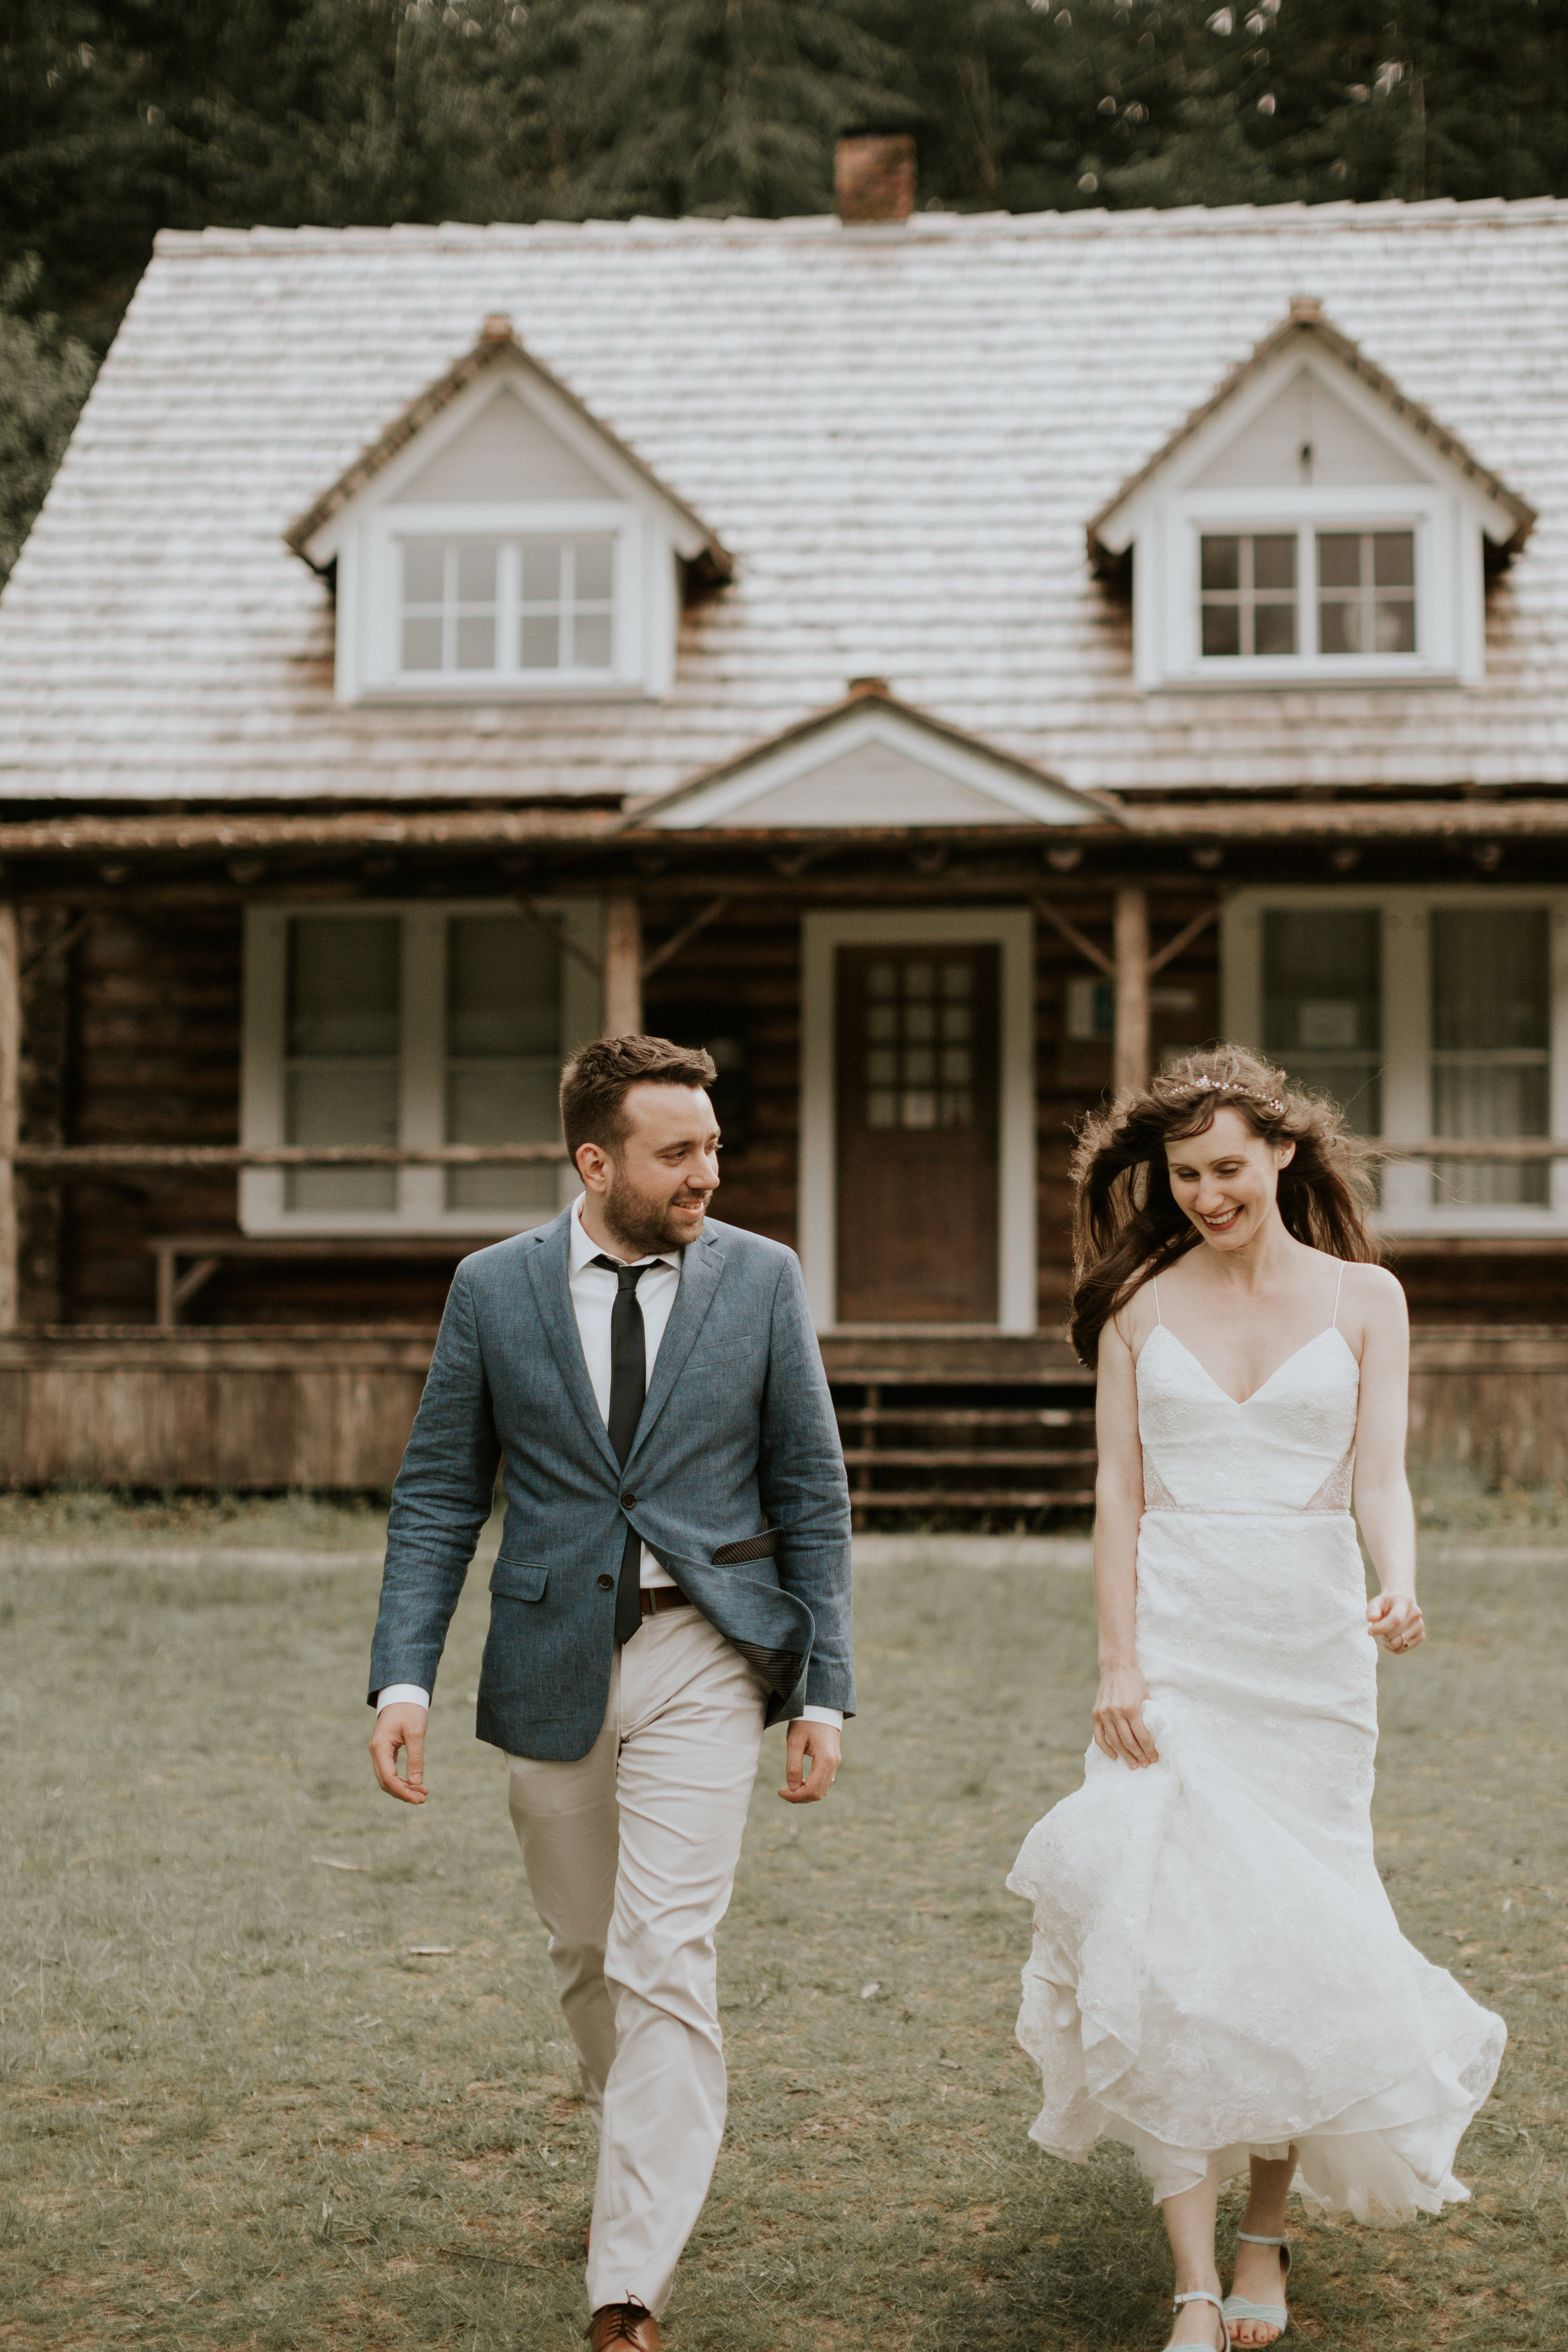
[{"x": 238, "y": 2110}]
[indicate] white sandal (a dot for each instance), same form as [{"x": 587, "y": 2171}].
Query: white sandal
[
  {"x": 1236, "y": 2308},
  {"x": 1201, "y": 2295}
]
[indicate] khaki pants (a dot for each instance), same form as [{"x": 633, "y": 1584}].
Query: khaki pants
[{"x": 631, "y": 1858}]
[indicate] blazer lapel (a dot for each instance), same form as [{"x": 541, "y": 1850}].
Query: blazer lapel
[
  {"x": 700, "y": 1269},
  {"x": 547, "y": 1271}
]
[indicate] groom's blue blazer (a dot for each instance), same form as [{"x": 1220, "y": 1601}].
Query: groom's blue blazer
[{"x": 737, "y": 1433}]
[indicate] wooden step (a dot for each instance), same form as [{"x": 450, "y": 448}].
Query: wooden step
[{"x": 954, "y": 1443}]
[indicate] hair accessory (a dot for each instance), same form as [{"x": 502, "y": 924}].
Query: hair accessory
[{"x": 1207, "y": 1085}]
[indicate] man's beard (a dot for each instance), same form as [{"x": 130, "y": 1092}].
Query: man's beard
[{"x": 640, "y": 1221}]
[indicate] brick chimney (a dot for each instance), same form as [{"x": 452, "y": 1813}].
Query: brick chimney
[{"x": 874, "y": 176}]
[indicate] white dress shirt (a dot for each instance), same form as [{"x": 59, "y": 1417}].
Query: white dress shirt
[{"x": 593, "y": 1289}]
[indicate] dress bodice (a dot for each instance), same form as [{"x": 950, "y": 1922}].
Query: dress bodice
[{"x": 1290, "y": 1447}]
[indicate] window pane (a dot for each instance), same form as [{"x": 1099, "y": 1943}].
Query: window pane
[
  {"x": 477, "y": 641},
  {"x": 1490, "y": 979},
  {"x": 541, "y": 641},
  {"x": 1395, "y": 624},
  {"x": 344, "y": 975},
  {"x": 882, "y": 980},
  {"x": 423, "y": 570},
  {"x": 1274, "y": 560},
  {"x": 541, "y": 571},
  {"x": 591, "y": 642},
  {"x": 503, "y": 989},
  {"x": 1221, "y": 629},
  {"x": 1339, "y": 629},
  {"x": 1394, "y": 559},
  {"x": 421, "y": 644},
  {"x": 343, "y": 1037},
  {"x": 596, "y": 570},
  {"x": 1221, "y": 563},
  {"x": 1339, "y": 559},
  {"x": 476, "y": 573},
  {"x": 503, "y": 1102},
  {"x": 340, "y": 1102},
  {"x": 1323, "y": 1015},
  {"x": 503, "y": 1047},
  {"x": 920, "y": 979},
  {"x": 1274, "y": 629}
]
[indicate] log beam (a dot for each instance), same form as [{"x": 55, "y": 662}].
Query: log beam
[
  {"x": 623, "y": 966},
  {"x": 1130, "y": 1065}
]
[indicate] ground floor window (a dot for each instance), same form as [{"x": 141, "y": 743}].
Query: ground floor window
[
  {"x": 412, "y": 1025},
  {"x": 1440, "y": 1012}
]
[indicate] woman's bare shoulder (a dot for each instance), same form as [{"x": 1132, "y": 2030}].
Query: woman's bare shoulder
[
  {"x": 1135, "y": 1318},
  {"x": 1376, "y": 1295}
]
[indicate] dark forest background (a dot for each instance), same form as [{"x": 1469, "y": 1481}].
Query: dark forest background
[{"x": 120, "y": 117}]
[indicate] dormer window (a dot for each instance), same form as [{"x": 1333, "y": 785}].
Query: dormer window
[
  {"x": 1250, "y": 607},
  {"x": 499, "y": 541},
  {"x": 522, "y": 611},
  {"x": 1311, "y": 525}
]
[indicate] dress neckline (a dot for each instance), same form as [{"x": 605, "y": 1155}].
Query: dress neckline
[{"x": 1240, "y": 1403}]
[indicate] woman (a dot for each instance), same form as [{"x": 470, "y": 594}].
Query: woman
[{"x": 1217, "y": 1977}]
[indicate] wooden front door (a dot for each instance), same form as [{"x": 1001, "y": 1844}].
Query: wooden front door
[{"x": 918, "y": 1117}]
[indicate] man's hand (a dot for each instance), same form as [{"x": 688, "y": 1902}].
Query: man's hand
[
  {"x": 811, "y": 1761},
  {"x": 400, "y": 1726}
]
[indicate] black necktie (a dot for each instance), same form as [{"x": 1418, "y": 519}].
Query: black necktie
[{"x": 629, "y": 1386}]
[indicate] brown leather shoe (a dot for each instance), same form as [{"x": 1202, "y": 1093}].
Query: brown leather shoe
[{"x": 625, "y": 2322}]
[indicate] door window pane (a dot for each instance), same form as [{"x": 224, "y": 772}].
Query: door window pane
[
  {"x": 1366, "y": 592},
  {"x": 1323, "y": 1003},
  {"x": 342, "y": 1069},
  {"x": 1492, "y": 1035},
  {"x": 909, "y": 1081},
  {"x": 1246, "y": 594},
  {"x": 503, "y": 1053}
]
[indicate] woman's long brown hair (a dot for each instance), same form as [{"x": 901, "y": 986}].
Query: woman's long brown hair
[{"x": 1126, "y": 1224}]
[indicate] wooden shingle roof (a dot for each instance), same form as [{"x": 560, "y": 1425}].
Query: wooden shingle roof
[{"x": 898, "y": 434}]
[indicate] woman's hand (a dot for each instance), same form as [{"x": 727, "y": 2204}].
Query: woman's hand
[
  {"x": 1119, "y": 1730},
  {"x": 1394, "y": 1619}
]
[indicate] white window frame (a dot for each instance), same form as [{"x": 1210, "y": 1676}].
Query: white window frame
[
  {"x": 1011, "y": 929},
  {"x": 1302, "y": 514},
  {"x": 421, "y": 1193},
  {"x": 502, "y": 527},
  {"x": 1407, "y": 1203}
]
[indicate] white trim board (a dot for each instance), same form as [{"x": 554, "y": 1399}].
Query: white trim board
[{"x": 822, "y": 934}]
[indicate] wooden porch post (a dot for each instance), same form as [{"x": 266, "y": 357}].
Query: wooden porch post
[
  {"x": 623, "y": 966},
  {"x": 1131, "y": 1063},
  {"x": 10, "y": 1058}
]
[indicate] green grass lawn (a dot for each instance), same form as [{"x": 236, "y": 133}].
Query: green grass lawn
[{"x": 239, "y": 2110}]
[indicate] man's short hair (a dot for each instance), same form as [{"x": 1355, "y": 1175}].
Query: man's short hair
[{"x": 594, "y": 1084}]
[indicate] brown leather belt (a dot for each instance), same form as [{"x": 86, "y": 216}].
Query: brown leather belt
[{"x": 658, "y": 1597}]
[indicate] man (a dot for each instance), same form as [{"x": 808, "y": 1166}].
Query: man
[{"x": 673, "y": 1574}]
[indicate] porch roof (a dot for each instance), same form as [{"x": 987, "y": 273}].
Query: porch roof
[{"x": 901, "y": 435}]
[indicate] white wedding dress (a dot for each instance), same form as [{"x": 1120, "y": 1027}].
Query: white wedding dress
[{"x": 1217, "y": 1969}]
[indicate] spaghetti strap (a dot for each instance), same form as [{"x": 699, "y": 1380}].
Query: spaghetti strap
[
  {"x": 1338, "y": 1288},
  {"x": 1154, "y": 1287}
]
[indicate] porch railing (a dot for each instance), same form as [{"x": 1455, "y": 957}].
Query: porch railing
[{"x": 78, "y": 1160}]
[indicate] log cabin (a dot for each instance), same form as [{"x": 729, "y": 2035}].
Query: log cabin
[{"x": 945, "y": 665}]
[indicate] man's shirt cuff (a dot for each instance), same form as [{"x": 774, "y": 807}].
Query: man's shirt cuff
[
  {"x": 833, "y": 1714},
  {"x": 409, "y": 1693}
]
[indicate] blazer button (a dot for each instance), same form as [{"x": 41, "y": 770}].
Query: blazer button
[
  {"x": 628, "y": 1502},
  {"x": 607, "y": 1583}
]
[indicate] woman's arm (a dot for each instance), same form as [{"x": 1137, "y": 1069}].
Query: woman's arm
[
  {"x": 1382, "y": 1493},
  {"x": 1119, "y": 1727}
]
